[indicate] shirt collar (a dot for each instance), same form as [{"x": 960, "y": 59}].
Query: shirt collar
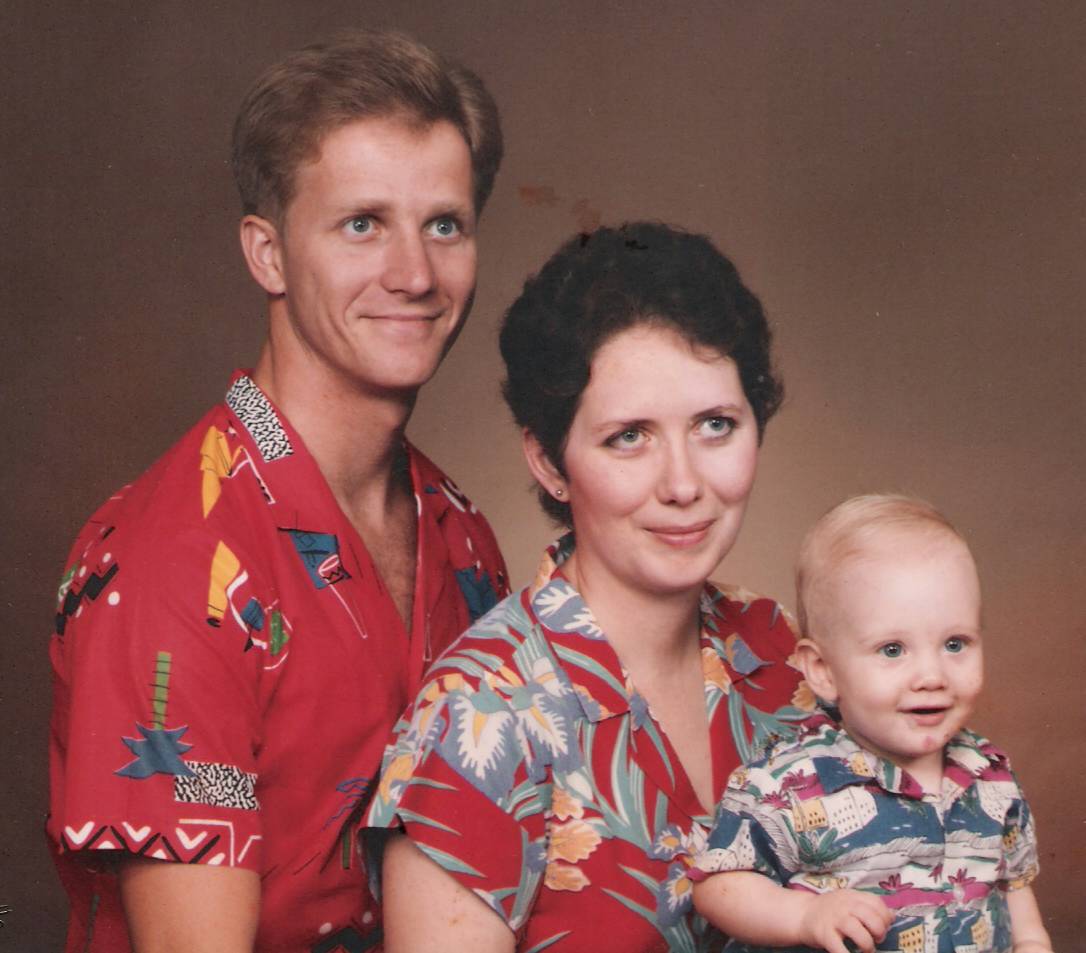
[
  {"x": 291, "y": 478},
  {"x": 600, "y": 682},
  {"x": 841, "y": 761}
]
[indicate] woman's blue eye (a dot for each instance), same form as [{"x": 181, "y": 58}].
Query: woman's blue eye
[
  {"x": 955, "y": 644},
  {"x": 718, "y": 426},
  {"x": 625, "y": 438},
  {"x": 892, "y": 650}
]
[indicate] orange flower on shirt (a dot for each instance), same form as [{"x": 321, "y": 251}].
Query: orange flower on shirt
[
  {"x": 714, "y": 670},
  {"x": 573, "y": 841},
  {"x": 803, "y": 697},
  {"x": 564, "y": 877},
  {"x": 439, "y": 687},
  {"x": 565, "y": 806}
]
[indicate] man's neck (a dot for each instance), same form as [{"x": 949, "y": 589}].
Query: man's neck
[{"x": 356, "y": 438}]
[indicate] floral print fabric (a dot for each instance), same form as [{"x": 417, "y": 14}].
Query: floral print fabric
[
  {"x": 821, "y": 813},
  {"x": 532, "y": 771}
]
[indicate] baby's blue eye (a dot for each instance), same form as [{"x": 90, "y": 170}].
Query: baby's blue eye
[
  {"x": 955, "y": 644},
  {"x": 892, "y": 649}
]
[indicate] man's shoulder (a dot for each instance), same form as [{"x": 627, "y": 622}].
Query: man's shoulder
[{"x": 180, "y": 495}]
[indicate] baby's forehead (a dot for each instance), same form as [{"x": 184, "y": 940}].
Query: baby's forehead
[{"x": 878, "y": 543}]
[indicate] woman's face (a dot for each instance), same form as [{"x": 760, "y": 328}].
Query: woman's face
[{"x": 660, "y": 460}]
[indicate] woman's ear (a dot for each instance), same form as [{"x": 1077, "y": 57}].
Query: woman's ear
[
  {"x": 546, "y": 473},
  {"x": 260, "y": 243},
  {"x": 816, "y": 670}
]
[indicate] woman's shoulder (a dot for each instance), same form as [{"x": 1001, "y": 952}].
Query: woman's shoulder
[
  {"x": 493, "y": 639},
  {"x": 758, "y": 620}
]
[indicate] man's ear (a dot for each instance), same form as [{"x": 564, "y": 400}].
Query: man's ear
[
  {"x": 260, "y": 243},
  {"x": 546, "y": 473},
  {"x": 815, "y": 670}
]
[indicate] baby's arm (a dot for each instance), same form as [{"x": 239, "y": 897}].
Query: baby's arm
[
  {"x": 1027, "y": 929},
  {"x": 752, "y": 908}
]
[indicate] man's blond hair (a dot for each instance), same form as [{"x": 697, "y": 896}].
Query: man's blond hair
[{"x": 359, "y": 74}]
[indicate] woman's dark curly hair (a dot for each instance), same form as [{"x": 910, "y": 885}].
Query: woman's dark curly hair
[{"x": 604, "y": 282}]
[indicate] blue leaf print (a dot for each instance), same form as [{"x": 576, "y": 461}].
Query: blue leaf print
[
  {"x": 561, "y": 607},
  {"x": 481, "y": 743}
]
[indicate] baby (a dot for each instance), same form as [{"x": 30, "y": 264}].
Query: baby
[{"x": 885, "y": 824}]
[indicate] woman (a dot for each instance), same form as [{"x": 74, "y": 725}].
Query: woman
[{"x": 562, "y": 763}]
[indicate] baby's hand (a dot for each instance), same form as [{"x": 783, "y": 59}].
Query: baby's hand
[{"x": 841, "y": 915}]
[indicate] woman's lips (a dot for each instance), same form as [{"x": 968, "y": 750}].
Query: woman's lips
[{"x": 682, "y": 536}]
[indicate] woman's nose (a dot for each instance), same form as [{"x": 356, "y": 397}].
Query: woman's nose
[{"x": 680, "y": 481}]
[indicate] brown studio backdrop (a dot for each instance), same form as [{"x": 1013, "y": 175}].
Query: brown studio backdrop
[{"x": 901, "y": 184}]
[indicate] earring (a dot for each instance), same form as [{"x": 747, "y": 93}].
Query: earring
[{"x": 559, "y": 492}]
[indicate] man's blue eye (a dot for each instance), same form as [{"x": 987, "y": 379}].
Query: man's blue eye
[
  {"x": 360, "y": 224},
  {"x": 892, "y": 650},
  {"x": 446, "y": 227}
]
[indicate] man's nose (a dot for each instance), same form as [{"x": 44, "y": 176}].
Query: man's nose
[{"x": 408, "y": 268}]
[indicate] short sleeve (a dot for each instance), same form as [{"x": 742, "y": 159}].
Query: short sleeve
[
  {"x": 751, "y": 830},
  {"x": 461, "y": 780},
  {"x": 155, "y": 722},
  {"x": 1019, "y": 846}
]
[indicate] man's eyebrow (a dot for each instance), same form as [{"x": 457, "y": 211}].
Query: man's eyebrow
[
  {"x": 382, "y": 207},
  {"x": 363, "y": 206},
  {"x": 453, "y": 207}
]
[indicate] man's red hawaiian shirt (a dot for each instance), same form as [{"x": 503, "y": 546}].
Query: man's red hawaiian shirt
[{"x": 228, "y": 665}]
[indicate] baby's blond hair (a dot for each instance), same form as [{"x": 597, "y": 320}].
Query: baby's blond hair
[{"x": 848, "y": 530}]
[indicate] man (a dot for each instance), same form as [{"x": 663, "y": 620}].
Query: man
[{"x": 238, "y": 630}]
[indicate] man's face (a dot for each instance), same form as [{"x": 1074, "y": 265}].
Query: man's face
[{"x": 377, "y": 253}]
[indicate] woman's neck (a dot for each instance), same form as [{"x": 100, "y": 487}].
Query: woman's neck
[{"x": 645, "y": 629}]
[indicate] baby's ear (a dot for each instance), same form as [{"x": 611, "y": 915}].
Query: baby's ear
[{"x": 816, "y": 670}]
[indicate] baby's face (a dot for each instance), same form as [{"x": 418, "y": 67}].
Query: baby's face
[{"x": 902, "y": 647}]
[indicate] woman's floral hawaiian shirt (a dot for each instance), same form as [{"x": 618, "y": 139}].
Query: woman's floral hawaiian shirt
[{"x": 532, "y": 771}]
